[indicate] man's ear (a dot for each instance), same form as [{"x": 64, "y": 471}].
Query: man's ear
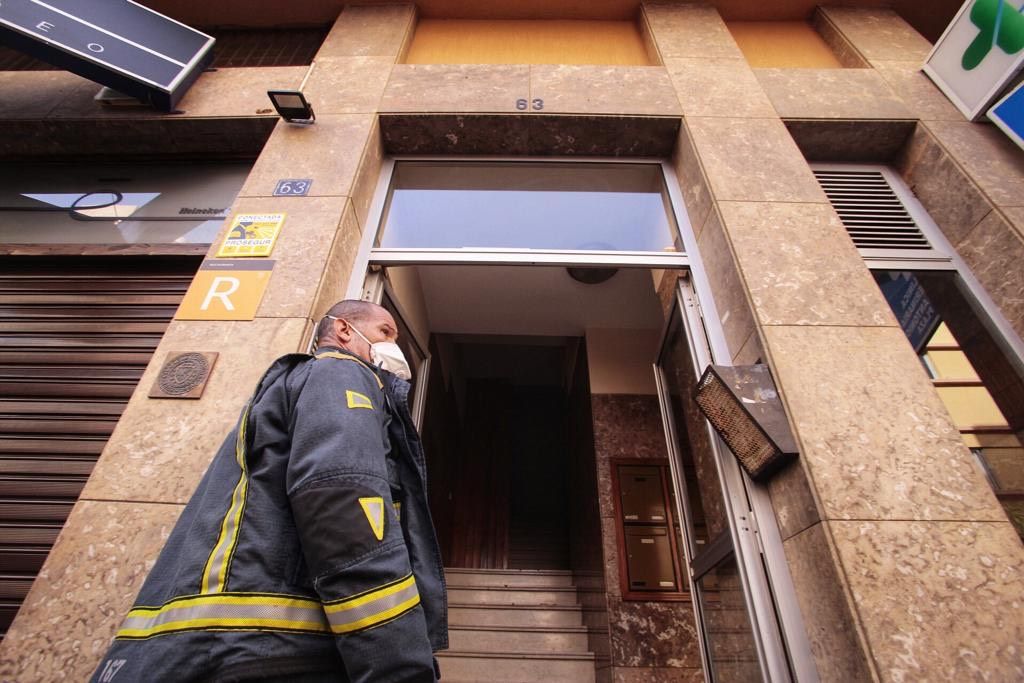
[{"x": 343, "y": 330}]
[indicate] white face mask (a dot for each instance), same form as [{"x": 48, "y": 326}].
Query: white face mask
[{"x": 388, "y": 356}]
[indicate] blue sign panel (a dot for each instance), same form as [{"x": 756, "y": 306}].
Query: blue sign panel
[
  {"x": 118, "y": 43},
  {"x": 1008, "y": 114},
  {"x": 913, "y": 310}
]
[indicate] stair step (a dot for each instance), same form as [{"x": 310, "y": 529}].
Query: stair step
[
  {"x": 519, "y": 595},
  {"x": 461, "y": 614},
  {"x": 515, "y": 667},
  {"x": 518, "y": 639},
  {"x": 509, "y": 577}
]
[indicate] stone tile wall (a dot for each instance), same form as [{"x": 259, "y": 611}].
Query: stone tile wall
[
  {"x": 160, "y": 449},
  {"x": 789, "y": 288},
  {"x": 650, "y": 641}
]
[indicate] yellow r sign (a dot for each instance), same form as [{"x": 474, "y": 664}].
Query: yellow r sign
[{"x": 226, "y": 290}]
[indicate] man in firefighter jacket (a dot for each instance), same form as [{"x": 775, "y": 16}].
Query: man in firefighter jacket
[{"x": 307, "y": 552}]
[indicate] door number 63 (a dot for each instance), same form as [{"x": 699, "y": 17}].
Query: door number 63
[{"x": 535, "y": 104}]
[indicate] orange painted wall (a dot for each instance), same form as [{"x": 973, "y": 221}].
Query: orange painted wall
[{"x": 782, "y": 44}]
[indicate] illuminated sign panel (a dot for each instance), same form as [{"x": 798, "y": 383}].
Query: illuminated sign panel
[{"x": 117, "y": 43}]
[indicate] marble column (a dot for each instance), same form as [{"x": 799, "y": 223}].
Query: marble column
[{"x": 904, "y": 565}]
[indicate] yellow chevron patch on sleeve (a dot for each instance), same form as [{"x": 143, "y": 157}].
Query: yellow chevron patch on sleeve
[
  {"x": 357, "y": 400},
  {"x": 373, "y": 508}
]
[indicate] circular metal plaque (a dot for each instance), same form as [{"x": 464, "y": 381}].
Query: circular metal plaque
[{"x": 183, "y": 374}]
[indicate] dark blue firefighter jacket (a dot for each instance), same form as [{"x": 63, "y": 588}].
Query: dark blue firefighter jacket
[{"x": 307, "y": 551}]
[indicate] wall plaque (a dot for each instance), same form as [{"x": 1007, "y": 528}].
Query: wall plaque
[{"x": 184, "y": 375}]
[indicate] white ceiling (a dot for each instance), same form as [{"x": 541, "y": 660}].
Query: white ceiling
[{"x": 531, "y": 300}]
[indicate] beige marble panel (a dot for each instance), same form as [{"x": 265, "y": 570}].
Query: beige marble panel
[
  {"x": 34, "y": 94},
  {"x": 938, "y": 601},
  {"x": 844, "y": 51},
  {"x": 878, "y": 34},
  {"x": 161, "y": 448},
  {"x": 467, "y": 88},
  {"x": 874, "y": 434},
  {"x": 840, "y": 140},
  {"x": 830, "y": 620},
  {"x": 340, "y": 261},
  {"x": 831, "y": 94},
  {"x": 368, "y": 175},
  {"x": 300, "y": 254},
  {"x": 918, "y": 91},
  {"x": 690, "y": 30},
  {"x": 753, "y": 160},
  {"x": 329, "y": 152},
  {"x": 727, "y": 285},
  {"x": 83, "y": 591},
  {"x": 724, "y": 87},
  {"x": 571, "y": 89},
  {"x": 987, "y": 155},
  {"x": 692, "y": 181},
  {"x": 347, "y": 85},
  {"x": 801, "y": 267},
  {"x": 231, "y": 92},
  {"x": 369, "y": 31},
  {"x": 994, "y": 251},
  {"x": 947, "y": 193}
]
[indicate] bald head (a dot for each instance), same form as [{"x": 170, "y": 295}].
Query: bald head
[{"x": 370, "y": 320}]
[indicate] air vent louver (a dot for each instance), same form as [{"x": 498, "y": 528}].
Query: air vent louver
[{"x": 873, "y": 214}]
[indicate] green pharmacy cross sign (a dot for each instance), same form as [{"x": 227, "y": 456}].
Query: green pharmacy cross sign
[
  {"x": 979, "y": 54},
  {"x": 1001, "y": 26}
]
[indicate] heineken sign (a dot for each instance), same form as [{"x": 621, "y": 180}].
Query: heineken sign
[
  {"x": 117, "y": 43},
  {"x": 979, "y": 54}
]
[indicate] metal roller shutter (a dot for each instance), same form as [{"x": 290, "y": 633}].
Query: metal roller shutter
[{"x": 76, "y": 334}]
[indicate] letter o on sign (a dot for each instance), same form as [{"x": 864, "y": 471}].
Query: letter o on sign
[{"x": 95, "y": 47}]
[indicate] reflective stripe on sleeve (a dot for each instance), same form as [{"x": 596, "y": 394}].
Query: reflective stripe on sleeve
[
  {"x": 216, "y": 570},
  {"x": 374, "y": 607},
  {"x": 226, "y": 611}
]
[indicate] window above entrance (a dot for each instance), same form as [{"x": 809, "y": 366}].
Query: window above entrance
[{"x": 577, "y": 207}]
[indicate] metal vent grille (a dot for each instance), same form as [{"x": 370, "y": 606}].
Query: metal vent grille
[{"x": 873, "y": 214}]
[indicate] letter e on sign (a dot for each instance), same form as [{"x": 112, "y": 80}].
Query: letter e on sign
[{"x": 226, "y": 289}]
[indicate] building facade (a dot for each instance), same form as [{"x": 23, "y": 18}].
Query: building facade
[{"x": 572, "y": 211}]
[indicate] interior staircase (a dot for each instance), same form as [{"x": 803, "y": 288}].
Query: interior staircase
[{"x": 515, "y": 626}]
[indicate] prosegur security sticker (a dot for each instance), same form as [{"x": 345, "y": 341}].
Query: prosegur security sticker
[{"x": 251, "y": 234}]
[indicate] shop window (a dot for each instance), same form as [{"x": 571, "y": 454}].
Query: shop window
[
  {"x": 116, "y": 203},
  {"x": 968, "y": 350},
  {"x": 783, "y": 44},
  {"x": 523, "y": 205},
  {"x": 648, "y": 532},
  {"x": 527, "y": 41}
]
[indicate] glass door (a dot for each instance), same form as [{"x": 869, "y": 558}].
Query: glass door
[{"x": 725, "y": 569}]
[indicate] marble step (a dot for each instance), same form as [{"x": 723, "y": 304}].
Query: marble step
[
  {"x": 463, "y": 614},
  {"x": 515, "y": 667},
  {"x": 509, "y": 577},
  {"x": 520, "y": 595},
  {"x": 518, "y": 639}
]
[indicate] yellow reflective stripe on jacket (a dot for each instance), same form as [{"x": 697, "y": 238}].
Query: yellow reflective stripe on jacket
[
  {"x": 215, "y": 574},
  {"x": 374, "y": 607},
  {"x": 342, "y": 356},
  {"x": 226, "y": 611}
]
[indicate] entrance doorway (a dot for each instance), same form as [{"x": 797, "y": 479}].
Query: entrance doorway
[{"x": 505, "y": 401}]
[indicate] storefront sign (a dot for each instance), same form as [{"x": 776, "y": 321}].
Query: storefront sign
[
  {"x": 979, "y": 53},
  {"x": 226, "y": 290},
  {"x": 251, "y": 234},
  {"x": 118, "y": 43},
  {"x": 1008, "y": 114}
]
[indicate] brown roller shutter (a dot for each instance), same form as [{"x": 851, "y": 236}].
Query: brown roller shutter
[{"x": 76, "y": 334}]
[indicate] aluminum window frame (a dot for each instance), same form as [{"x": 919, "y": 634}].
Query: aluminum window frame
[{"x": 948, "y": 258}]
